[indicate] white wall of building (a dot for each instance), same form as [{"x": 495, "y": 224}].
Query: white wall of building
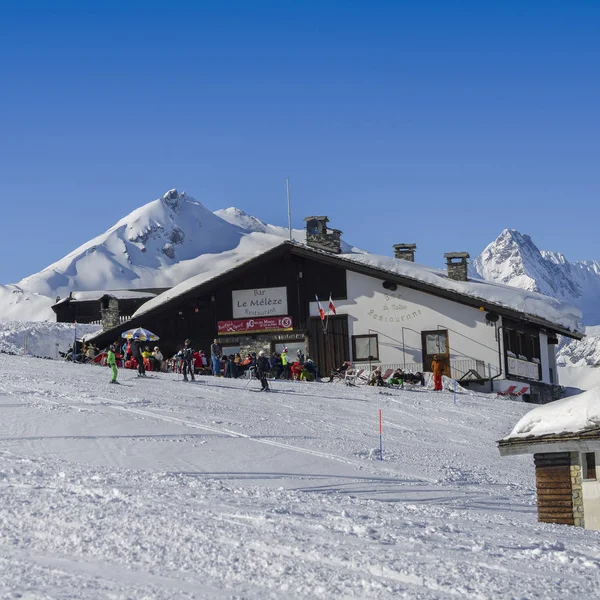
[
  {"x": 591, "y": 497},
  {"x": 399, "y": 317}
]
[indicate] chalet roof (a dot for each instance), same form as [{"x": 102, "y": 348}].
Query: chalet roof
[
  {"x": 508, "y": 301},
  {"x": 91, "y": 296},
  {"x": 572, "y": 419}
]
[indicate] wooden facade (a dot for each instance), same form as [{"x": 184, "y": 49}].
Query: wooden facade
[
  {"x": 71, "y": 310},
  {"x": 196, "y": 313},
  {"x": 565, "y": 487},
  {"x": 554, "y": 487}
]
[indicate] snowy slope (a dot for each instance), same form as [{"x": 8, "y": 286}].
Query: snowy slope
[
  {"x": 42, "y": 339},
  {"x": 514, "y": 259},
  {"x": 160, "y": 489},
  {"x": 16, "y": 304}
]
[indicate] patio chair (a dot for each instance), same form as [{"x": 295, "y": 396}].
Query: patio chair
[{"x": 510, "y": 391}]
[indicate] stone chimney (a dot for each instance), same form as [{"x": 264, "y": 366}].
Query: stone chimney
[
  {"x": 405, "y": 251},
  {"x": 456, "y": 263},
  {"x": 321, "y": 237},
  {"x": 109, "y": 311}
]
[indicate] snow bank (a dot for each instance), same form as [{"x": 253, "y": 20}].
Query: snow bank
[
  {"x": 40, "y": 339},
  {"x": 584, "y": 378},
  {"x": 569, "y": 415},
  {"x": 17, "y": 304}
]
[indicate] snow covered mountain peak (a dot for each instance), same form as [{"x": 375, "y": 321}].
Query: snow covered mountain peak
[
  {"x": 514, "y": 259},
  {"x": 150, "y": 247}
]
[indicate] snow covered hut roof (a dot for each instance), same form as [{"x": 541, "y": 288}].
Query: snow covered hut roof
[{"x": 570, "y": 419}]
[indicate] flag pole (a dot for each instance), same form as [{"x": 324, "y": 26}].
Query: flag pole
[{"x": 287, "y": 185}]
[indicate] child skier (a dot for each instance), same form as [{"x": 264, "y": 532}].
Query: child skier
[
  {"x": 111, "y": 361},
  {"x": 187, "y": 355}
]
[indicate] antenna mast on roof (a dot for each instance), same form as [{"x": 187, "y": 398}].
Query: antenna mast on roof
[{"x": 287, "y": 184}]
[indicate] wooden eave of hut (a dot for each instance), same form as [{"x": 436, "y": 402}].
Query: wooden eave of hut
[{"x": 587, "y": 440}]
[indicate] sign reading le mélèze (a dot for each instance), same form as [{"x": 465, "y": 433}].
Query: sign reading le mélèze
[{"x": 260, "y": 302}]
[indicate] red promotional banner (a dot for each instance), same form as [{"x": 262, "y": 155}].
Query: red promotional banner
[{"x": 258, "y": 325}]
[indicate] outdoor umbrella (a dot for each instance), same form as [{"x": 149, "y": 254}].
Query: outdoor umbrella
[{"x": 140, "y": 334}]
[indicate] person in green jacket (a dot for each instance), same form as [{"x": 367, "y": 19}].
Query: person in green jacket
[{"x": 111, "y": 361}]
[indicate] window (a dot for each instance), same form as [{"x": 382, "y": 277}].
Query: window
[
  {"x": 522, "y": 345},
  {"x": 365, "y": 347},
  {"x": 436, "y": 342},
  {"x": 589, "y": 465}
]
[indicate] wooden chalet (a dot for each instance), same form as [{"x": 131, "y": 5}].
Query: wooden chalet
[
  {"x": 108, "y": 308},
  {"x": 387, "y": 314}
]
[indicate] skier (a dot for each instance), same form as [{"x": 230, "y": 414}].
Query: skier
[
  {"x": 136, "y": 351},
  {"x": 262, "y": 367},
  {"x": 187, "y": 355},
  {"x": 111, "y": 361},
  {"x": 285, "y": 363}
]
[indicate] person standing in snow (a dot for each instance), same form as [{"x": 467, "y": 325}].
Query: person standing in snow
[
  {"x": 111, "y": 361},
  {"x": 158, "y": 358},
  {"x": 285, "y": 363},
  {"x": 216, "y": 352},
  {"x": 136, "y": 352},
  {"x": 437, "y": 366},
  {"x": 262, "y": 368},
  {"x": 187, "y": 355}
]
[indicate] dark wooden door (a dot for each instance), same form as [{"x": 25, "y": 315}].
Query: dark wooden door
[{"x": 331, "y": 348}]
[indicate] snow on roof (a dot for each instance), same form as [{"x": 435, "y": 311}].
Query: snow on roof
[
  {"x": 211, "y": 266},
  {"x": 569, "y": 415},
  {"x": 255, "y": 244},
  {"x": 523, "y": 301},
  {"x": 97, "y": 294}
]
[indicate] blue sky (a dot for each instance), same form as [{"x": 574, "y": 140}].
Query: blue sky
[{"x": 439, "y": 123}]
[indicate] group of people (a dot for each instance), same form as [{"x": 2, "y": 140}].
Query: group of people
[
  {"x": 133, "y": 350},
  {"x": 277, "y": 365},
  {"x": 398, "y": 377}
]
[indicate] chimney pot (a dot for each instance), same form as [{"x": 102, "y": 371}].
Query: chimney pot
[
  {"x": 457, "y": 263},
  {"x": 321, "y": 237},
  {"x": 405, "y": 251}
]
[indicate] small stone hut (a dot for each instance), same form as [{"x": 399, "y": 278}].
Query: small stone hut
[{"x": 564, "y": 438}]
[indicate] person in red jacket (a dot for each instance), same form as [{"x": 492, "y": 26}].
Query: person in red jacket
[
  {"x": 296, "y": 369},
  {"x": 437, "y": 366}
]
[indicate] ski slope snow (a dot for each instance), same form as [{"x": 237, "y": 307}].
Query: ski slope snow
[{"x": 162, "y": 489}]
